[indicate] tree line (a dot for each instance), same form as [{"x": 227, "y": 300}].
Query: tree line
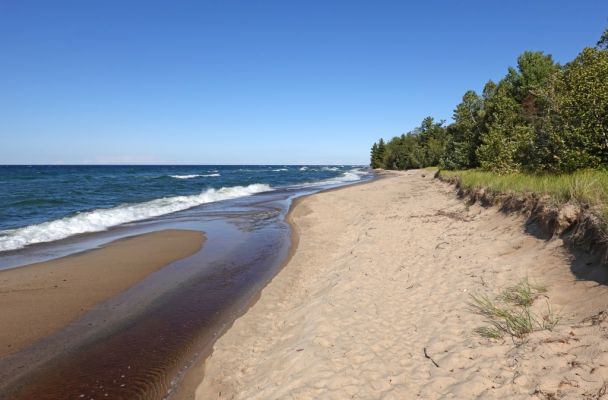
[{"x": 540, "y": 117}]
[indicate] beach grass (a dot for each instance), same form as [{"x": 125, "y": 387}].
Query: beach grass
[
  {"x": 511, "y": 313},
  {"x": 523, "y": 293},
  {"x": 503, "y": 320},
  {"x": 586, "y": 187}
]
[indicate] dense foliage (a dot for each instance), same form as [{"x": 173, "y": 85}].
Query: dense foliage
[{"x": 541, "y": 117}]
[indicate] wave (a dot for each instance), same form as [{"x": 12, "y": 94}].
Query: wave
[
  {"x": 303, "y": 168},
  {"x": 330, "y": 168},
  {"x": 184, "y": 176},
  {"x": 102, "y": 219},
  {"x": 353, "y": 175},
  {"x": 280, "y": 169},
  {"x": 192, "y": 176}
]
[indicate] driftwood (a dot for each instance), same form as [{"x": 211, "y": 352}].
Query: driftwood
[{"x": 429, "y": 357}]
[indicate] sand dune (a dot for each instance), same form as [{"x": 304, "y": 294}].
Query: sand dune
[{"x": 382, "y": 272}]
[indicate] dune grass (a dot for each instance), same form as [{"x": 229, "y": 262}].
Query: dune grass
[
  {"x": 586, "y": 187},
  {"x": 523, "y": 294},
  {"x": 511, "y": 313}
]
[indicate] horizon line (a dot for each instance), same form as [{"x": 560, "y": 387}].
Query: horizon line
[{"x": 171, "y": 165}]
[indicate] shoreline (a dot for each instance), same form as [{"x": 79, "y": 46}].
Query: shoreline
[
  {"x": 293, "y": 340},
  {"x": 192, "y": 378},
  {"x": 47, "y": 296}
]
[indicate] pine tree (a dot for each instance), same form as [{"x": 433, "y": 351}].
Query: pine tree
[
  {"x": 380, "y": 154},
  {"x": 374, "y": 156}
]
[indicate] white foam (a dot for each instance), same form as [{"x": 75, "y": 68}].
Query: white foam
[
  {"x": 303, "y": 168},
  {"x": 102, "y": 219},
  {"x": 280, "y": 169},
  {"x": 330, "y": 168},
  {"x": 349, "y": 176},
  {"x": 184, "y": 176},
  {"x": 192, "y": 176},
  {"x": 353, "y": 175}
]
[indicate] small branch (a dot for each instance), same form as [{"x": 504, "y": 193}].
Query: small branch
[
  {"x": 439, "y": 244},
  {"x": 429, "y": 357}
]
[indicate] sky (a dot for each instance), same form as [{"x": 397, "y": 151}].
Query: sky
[{"x": 254, "y": 82}]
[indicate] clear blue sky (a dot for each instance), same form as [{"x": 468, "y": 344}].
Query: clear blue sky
[{"x": 245, "y": 82}]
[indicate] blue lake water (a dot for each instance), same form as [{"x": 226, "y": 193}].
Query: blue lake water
[{"x": 46, "y": 203}]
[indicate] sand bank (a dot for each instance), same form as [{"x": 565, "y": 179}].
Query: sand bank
[
  {"x": 38, "y": 299},
  {"x": 383, "y": 274}
]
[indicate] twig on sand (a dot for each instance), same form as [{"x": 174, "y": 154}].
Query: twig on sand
[
  {"x": 429, "y": 357},
  {"x": 439, "y": 244}
]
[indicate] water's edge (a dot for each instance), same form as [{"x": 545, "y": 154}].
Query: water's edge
[{"x": 195, "y": 374}]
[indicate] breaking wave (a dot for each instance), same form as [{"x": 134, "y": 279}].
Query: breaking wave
[
  {"x": 192, "y": 176},
  {"x": 102, "y": 219},
  {"x": 184, "y": 176}
]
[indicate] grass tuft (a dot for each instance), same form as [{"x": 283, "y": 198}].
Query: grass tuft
[
  {"x": 489, "y": 332},
  {"x": 515, "y": 322},
  {"x": 550, "y": 319},
  {"x": 511, "y": 314},
  {"x": 523, "y": 294}
]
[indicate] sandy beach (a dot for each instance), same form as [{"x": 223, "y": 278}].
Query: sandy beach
[
  {"x": 39, "y": 299},
  {"x": 375, "y": 303}
]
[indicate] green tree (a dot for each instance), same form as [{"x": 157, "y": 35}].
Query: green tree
[
  {"x": 378, "y": 153},
  {"x": 583, "y": 110},
  {"x": 538, "y": 76},
  {"x": 603, "y": 42},
  {"x": 548, "y": 147},
  {"x": 535, "y": 71},
  {"x": 374, "y": 156},
  {"x": 463, "y": 136},
  {"x": 507, "y": 138},
  {"x": 514, "y": 115},
  {"x": 405, "y": 152},
  {"x": 432, "y": 137}
]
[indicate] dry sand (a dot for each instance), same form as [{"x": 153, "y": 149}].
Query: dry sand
[
  {"x": 38, "y": 299},
  {"x": 384, "y": 270}
]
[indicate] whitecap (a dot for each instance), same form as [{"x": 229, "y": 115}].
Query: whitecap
[
  {"x": 353, "y": 175},
  {"x": 102, "y": 219},
  {"x": 184, "y": 176}
]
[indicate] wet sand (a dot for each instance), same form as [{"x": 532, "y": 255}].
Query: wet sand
[
  {"x": 39, "y": 299},
  {"x": 375, "y": 301}
]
